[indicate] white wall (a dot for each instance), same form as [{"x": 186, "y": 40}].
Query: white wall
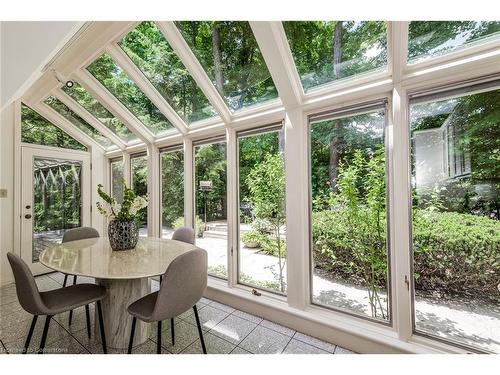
[
  {"x": 26, "y": 47},
  {"x": 6, "y": 182}
]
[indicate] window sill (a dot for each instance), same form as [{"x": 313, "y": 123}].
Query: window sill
[{"x": 349, "y": 332}]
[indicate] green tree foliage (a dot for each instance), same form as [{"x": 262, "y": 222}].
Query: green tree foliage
[
  {"x": 351, "y": 234},
  {"x": 139, "y": 172},
  {"x": 149, "y": 50},
  {"x": 474, "y": 122},
  {"x": 172, "y": 188},
  {"x": 253, "y": 151},
  {"x": 77, "y": 121},
  {"x": 56, "y": 195},
  {"x": 37, "y": 130},
  {"x": 360, "y": 132},
  {"x": 80, "y": 95},
  {"x": 111, "y": 76},
  {"x": 358, "y": 47},
  {"x": 266, "y": 182},
  {"x": 438, "y": 37},
  {"x": 231, "y": 57},
  {"x": 210, "y": 165}
]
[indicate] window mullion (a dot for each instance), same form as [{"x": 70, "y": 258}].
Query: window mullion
[{"x": 297, "y": 210}]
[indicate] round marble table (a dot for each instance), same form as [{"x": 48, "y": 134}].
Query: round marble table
[{"x": 125, "y": 274}]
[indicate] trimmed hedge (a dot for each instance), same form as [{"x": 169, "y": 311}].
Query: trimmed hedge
[{"x": 453, "y": 252}]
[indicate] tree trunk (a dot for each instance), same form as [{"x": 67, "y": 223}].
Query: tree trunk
[
  {"x": 337, "y": 50},
  {"x": 217, "y": 52},
  {"x": 333, "y": 170}
]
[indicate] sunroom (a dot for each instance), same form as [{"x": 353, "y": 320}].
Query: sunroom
[{"x": 340, "y": 178}]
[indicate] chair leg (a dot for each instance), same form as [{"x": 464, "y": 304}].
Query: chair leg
[
  {"x": 200, "y": 332},
  {"x": 132, "y": 332},
  {"x": 65, "y": 280},
  {"x": 30, "y": 334},
  {"x": 101, "y": 326},
  {"x": 71, "y": 311},
  {"x": 172, "y": 331},
  {"x": 87, "y": 313},
  {"x": 45, "y": 333},
  {"x": 158, "y": 341}
]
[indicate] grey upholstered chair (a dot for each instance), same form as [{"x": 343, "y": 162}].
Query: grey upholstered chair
[
  {"x": 184, "y": 234},
  {"x": 52, "y": 302},
  {"x": 76, "y": 234},
  {"x": 183, "y": 285}
]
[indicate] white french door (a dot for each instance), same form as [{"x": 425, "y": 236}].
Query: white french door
[{"x": 55, "y": 197}]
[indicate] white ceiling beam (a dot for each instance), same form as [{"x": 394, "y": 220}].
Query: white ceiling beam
[
  {"x": 121, "y": 58},
  {"x": 94, "y": 87},
  {"x": 274, "y": 47},
  {"x": 88, "y": 117},
  {"x": 397, "y": 48},
  {"x": 183, "y": 51},
  {"x": 58, "y": 120}
]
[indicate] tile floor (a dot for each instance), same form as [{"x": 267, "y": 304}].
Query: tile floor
[{"x": 226, "y": 330}]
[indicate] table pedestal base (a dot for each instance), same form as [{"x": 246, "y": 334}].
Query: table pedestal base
[{"x": 117, "y": 321}]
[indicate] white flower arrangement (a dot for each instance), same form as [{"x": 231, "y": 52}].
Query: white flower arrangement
[{"x": 127, "y": 210}]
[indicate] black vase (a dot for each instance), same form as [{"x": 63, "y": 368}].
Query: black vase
[{"x": 123, "y": 235}]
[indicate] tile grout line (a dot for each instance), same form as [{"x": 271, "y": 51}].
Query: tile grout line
[{"x": 286, "y": 346}]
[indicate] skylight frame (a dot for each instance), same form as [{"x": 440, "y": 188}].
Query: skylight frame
[
  {"x": 152, "y": 95},
  {"x": 88, "y": 117},
  {"x": 122, "y": 55},
  {"x": 79, "y": 107},
  {"x": 68, "y": 123},
  {"x": 191, "y": 55}
]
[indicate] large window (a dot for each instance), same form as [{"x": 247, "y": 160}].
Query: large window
[
  {"x": 172, "y": 190},
  {"x": 95, "y": 108},
  {"x": 326, "y": 51},
  {"x": 111, "y": 76},
  {"x": 262, "y": 225},
  {"x": 77, "y": 121},
  {"x": 229, "y": 53},
  {"x": 37, "y": 130},
  {"x": 210, "y": 185},
  {"x": 117, "y": 179},
  {"x": 456, "y": 217},
  {"x": 349, "y": 213},
  {"x": 139, "y": 171},
  {"x": 434, "y": 38},
  {"x": 149, "y": 50}
]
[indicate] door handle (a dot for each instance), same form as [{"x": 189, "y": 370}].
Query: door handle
[{"x": 27, "y": 216}]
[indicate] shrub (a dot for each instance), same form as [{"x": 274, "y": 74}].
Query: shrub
[
  {"x": 456, "y": 252},
  {"x": 252, "y": 237},
  {"x": 453, "y": 252}
]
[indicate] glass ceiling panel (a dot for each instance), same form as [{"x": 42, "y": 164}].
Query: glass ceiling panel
[
  {"x": 38, "y": 130},
  {"x": 76, "y": 120},
  {"x": 148, "y": 49},
  {"x": 434, "y": 38},
  {"x": 229, "y": 53},
  {"x": 95, "y": 108},
  {"x": 326, "y": 51},
  {"x": 111, "y": 76}
]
